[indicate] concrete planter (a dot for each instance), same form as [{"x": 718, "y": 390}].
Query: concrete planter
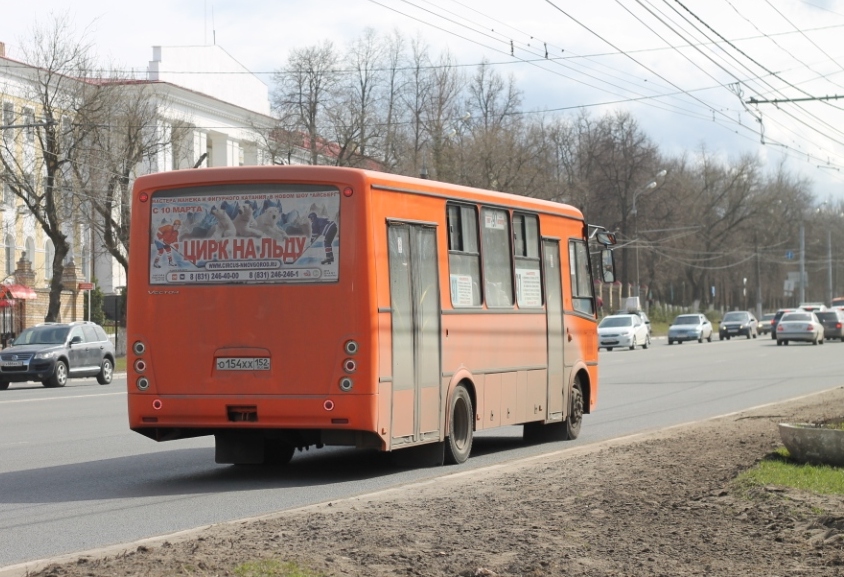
[{"x": 818, "y": 444}]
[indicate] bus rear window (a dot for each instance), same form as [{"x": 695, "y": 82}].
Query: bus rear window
[{"x": 249, "y": 234}]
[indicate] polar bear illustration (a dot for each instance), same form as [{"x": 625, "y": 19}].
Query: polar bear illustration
[
  {"x": 243, "y": 222},
  {"x": 225, "y": 226},
  {"x": 267, "y": 223}
]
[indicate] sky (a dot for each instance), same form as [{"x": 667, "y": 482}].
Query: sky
[{"x": 733, "y": 77}]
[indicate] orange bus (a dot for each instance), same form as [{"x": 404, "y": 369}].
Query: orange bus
[{"x": 283, "y": 307}]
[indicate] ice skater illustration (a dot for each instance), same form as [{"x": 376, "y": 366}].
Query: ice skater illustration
[{"x": 321, "y": 226}]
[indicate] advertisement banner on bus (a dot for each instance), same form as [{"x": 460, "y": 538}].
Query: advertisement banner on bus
[{"x": 240, "y": 236}]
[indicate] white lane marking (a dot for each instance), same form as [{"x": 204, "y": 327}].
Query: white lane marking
[{"x": 9, "y": 402}]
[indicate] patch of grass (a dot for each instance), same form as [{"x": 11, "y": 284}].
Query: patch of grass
[
  {"x": 780, "y": 470},
  {"x": 273, "y": 568},
  {"x": 659, "y": 328},
  {"x": 120, "y": 364}
]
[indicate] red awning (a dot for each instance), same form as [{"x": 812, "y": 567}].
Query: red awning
[
  {"x": 5, "y": 303},
  {"x": 17, "y": 291}
]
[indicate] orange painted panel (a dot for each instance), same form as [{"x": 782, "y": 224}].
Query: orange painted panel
[
  {"x": 403, "y": 413},
  {"x": 491, "y": 417},
  {"x": 513, "y": 386}
]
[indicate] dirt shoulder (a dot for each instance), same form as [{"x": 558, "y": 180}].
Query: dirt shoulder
[{"x": 657, "y": 504}]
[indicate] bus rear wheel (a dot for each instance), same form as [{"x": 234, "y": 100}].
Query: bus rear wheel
[
  {"x": 277, "y": 453},
  {"x": 461, "y": 420},
  {"x": 575, "y": 417}
]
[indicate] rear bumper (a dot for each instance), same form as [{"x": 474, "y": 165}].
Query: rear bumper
[
  {"x": 801, "y": 336},
  {"x": 171, "y": 414}
]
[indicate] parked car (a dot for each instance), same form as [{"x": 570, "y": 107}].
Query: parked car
[
  {"x": 55, "y": 352},
  {"x": 690, "y": 327},
  {"x": 800, "y": 326},
  {"x": 624, "y": 330},
  {"x": 765, "y": 323},
  {"x": 738, "y": 323},
  {"x": 642, "y": 315},
  {"x": 833, "y": 324},
  {"x": 775, "y": 322}
]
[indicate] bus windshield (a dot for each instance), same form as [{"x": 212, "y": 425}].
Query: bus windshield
[{"x": 256, "y": 233}]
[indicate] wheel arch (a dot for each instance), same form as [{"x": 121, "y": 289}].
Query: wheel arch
[
  {"x": 465, "y": 378},
  {"x": 581, "y": 371}
]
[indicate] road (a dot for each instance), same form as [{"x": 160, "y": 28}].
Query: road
[{"x": 73, "y": 477}]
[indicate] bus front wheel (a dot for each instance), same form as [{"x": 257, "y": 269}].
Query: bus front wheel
[{"x": 461, "y": 420}]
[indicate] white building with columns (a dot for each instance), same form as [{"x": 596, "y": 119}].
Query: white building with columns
[{"x": 224, "y": 114}]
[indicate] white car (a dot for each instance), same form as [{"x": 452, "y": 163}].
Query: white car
[
  {"x": 800, "y": 326},
  {"x": 624, "y": 330}
]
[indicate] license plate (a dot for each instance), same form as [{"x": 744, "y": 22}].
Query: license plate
[
  {"x": 13, "y": 363},
  {"x": 243, "y": 364}
]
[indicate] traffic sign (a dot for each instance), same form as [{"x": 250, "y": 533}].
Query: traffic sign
[{"x": 85, "y": 286}]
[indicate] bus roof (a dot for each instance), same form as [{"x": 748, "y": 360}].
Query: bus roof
[{"x": 311, "y": 173}]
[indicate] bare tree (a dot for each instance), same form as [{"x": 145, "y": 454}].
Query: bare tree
[
  {"x": 302, "y": 94},
  {"x": 441, "y": 87},
  {"x": 37, "y": 157},
  {"x": 393, "y": 115},
  {"x": 355, "y": 125},
  {"x": 126, "y": 132}
]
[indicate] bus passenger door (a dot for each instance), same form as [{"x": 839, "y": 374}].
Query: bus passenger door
[
  {"x": 554, "y": 310},
  {"x": 415, "y": 305}
]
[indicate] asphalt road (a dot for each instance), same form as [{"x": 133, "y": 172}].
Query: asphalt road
[{"x": 73, "y": 477}]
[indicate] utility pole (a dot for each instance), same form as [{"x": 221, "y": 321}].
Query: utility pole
[
  {"x": 758, "y": 278},
  {"x": 802, "y": 291},
  {"x": 829, "y": 294}
]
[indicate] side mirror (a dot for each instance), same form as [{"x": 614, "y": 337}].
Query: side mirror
[
  {"x": 76, "y": 340},
  {"x": 607, "y": 266}
]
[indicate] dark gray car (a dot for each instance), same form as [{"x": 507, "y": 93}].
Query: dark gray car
[
  {"x": 54, "y": 352},
  {"x": 737, "y": 323},
  {"x": 833, "y": 324}
]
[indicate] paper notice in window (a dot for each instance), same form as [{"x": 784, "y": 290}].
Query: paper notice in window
[
  {"x": 528, "y": 288},
  {"x": 461, "y": 290}
]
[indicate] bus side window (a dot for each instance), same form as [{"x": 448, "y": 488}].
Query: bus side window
[
  {"x": 526, "y": 256},
  {"x": 581, "y": 281},
  {"x": 498, "y": 263},
  {"x": 464, "y": 259}
]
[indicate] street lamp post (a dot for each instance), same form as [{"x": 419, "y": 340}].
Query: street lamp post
[{"x": 651, "y": 185}]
